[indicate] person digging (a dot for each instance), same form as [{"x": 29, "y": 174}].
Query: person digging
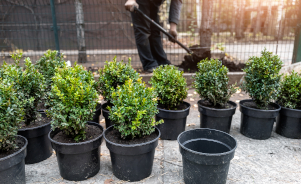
[{"x": 147, "y": 36}]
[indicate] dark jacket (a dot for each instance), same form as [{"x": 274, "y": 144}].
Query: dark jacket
[{"x": 174, "y": 11}]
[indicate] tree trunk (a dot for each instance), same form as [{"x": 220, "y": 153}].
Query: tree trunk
[
  {"x": 282, "y": 25},
  {"x": 267, "y": 24},
  {"x": 219, "y": 18},
  {"x": 80, "y": 29},
  {"x": 280, "y": 21},
  {"x": 234, "y": 12},
  {"x": 198, "y": 13},
  {"x": 239, "y": 31},
  {"x": 258, "y": 20},
  {"x": 206, "y": 25}
]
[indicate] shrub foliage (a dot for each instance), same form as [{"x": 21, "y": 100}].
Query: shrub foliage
[
  {"x": 134, "y": 110},
  {"x": 114, "y": 74},
  {"x": 211, "y": 82},
  {"x": 28, "y": 83},
  {"x": 170, "y": 85},
  {"x": 290, "y": 92},
  {"x": 11, "y": 114},
  {"x": 72, "y": 99},
  {"x": 262, "y": 79},
  {"x": 47, "y": 64}
]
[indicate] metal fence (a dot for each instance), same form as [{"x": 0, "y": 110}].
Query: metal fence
[{"x": 92, "y": 31}]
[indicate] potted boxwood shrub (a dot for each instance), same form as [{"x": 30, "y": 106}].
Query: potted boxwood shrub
[
  {"x": 133, "y": 137},
  {"x": 114, "y": 74},
  {"x": 211, "y": 83},
  {"x": 77, "y": 142},
  {"x": 171, "y": 88},
  {"x": 12, "y": 146},
  {"x": 289, "y": 119},
  {"x": 30, "y": 85},
  {"x": 262, "y": 83},
  {"x": 46, "y": 66}
]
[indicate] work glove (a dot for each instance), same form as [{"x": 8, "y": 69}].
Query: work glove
[
  {"x": 130, "y": 5},
  {"x": 173, "y": 31}
]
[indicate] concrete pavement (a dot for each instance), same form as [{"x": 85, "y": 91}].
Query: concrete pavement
[{"x": 273, "y": 161}]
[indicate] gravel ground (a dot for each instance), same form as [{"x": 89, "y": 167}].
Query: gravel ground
[{"x": 272, "y": 161}]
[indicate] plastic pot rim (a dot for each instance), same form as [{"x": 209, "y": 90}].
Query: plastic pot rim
[
  {"x": 33, "y": 128},
  {"x": 297, "y": 110},
  {"x": 76, "y": 144},
  {"x": 19, "y": 151},
  {"x": 215, "y": 109},
  {"x": 165, "y": 110},
  {"x": 99, "y": 107},
  {"x": 131, "y": 145},
  {"x": 262, "y": 110},
  {"x": 103, "y": 109},
  {"x": 207, "y": 154}
]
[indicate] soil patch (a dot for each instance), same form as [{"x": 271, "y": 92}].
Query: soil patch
[
  {"x": 254, "y": 106},
  {"x": 190, "y": 61},
  {"x": 19, "y": 143},
  {"x": 206, "y": 103},
  {"x": 181, "y": 106},
  {"x": 39, "y": 122},
  {"x": 115, "y": 137},
  {"x": 91, "y": 133}
]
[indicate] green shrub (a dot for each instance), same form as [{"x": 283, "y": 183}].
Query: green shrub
[
  {"x": 134, "y": 110},
  {"x": 211, "y": 82},
  {"x": 11, "y": 114},
  {"x": 47, "y": 64},
  {"x": 170, "y": 85},
  {"x": 290, "y": 92},
  {"x": 114, "y": 74},
  {"x": 262, "y": 79},
  {"x": 29, "y": 84},
  {"x": 72, "y": 99}
]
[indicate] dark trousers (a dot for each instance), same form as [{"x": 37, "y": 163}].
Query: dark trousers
[{"x": 148, "y": 38}]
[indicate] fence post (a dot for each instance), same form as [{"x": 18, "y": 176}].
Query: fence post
[
  {"x": 297, "y": 44},
  {"x": 54, "y": 27}
]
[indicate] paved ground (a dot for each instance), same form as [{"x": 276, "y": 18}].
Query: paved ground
[{"x": 272, "y": 161}]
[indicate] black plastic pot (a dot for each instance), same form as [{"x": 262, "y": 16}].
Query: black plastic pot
[
  {"x": 219, "y": 119},
  {"x": 97, "y": 113},
  {"x": 106, "y": 114},
  {"x": 39, "y": 147},
  {"x": 206, "y": 155},
  {"x": 174, "y": 122},
  {"x": 132, "y": 162},
  {"x": 257, "y": 123},
  {"x": 289, "y": 123},
  {"x": 12, "y": 167},
  {"x": 78, "y": 161}
]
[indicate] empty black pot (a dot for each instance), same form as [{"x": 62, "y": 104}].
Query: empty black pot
[
  {"x": 97, "y": 113},
  {"x": 39, "y": 147},
  {"x": 174, "y": 122},
  {"x": 206, "y": 155},
  {"x": 257, "y": 123},
  {"x": 219, "y": 119},
  {"x": 12, "y": 167},
  {"x": 289, "y": 123},
  {"x": 106, "y": 114},
  {"x": 132, "y": 162},
  {"x": 78, "y": 161}
]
